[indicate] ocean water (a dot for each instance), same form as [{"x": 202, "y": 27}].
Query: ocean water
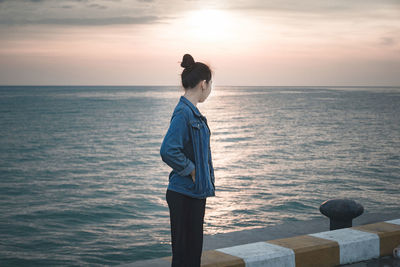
[{"x": 82, "y": 182}]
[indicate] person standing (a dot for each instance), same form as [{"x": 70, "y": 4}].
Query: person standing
[{"x": 186, "y": 149}]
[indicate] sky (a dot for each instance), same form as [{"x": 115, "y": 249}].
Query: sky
[{"x": 245, "y": 42}]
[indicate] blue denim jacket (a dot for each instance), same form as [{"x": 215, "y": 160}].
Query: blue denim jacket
[{"x": 186, "y": 146}]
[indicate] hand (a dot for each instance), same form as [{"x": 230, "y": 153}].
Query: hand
[{"x": 193, "y": 174}]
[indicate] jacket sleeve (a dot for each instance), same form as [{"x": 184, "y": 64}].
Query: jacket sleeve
[
  {"x": 171, "y": 150},
  {"x": 211, "y": 166}
]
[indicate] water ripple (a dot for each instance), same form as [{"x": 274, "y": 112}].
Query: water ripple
[{"x": 82, "y": 182}]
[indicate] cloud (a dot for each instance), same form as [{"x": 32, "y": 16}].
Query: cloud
[
  {"x": 387, "y": 41},
  {"x": 32, "y": 1},
  {"x": 106, "y": 12},
  {"x": 78, "y": 12},
  {"x": 85, "y": 21},
  {"x": 97, "y": 6},
  {"x": 37, "y": 1},
  {"x": 313, "y": 5}
]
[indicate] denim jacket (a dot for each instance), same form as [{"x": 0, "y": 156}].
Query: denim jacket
[{"x": 186, "y": 146}]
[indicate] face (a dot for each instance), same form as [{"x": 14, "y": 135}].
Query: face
[{"x": 206, "y": 90}]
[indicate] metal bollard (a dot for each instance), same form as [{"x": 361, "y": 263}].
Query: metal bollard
[{"x": 341, "y": 212}]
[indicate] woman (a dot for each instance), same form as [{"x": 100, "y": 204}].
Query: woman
[{"x": 186, "y": 149}]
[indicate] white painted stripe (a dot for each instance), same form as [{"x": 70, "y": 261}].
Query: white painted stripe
[
  {"x": 354, "y": 245},
  {"x": 397, "y": 221},
  {"x": 262, "y": 254}
]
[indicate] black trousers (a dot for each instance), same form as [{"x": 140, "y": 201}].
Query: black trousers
[{"x": 186, "y": 218}]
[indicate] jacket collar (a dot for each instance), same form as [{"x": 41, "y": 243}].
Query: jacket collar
[{"x": 193, "y": 107}]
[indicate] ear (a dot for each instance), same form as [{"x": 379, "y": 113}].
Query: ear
[{"x": 203, "y": 84}]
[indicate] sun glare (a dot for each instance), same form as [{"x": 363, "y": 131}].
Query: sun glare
[{"x": 209, "y": 24}]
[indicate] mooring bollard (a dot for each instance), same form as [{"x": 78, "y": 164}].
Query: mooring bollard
[{"x": 341, "y": 212}]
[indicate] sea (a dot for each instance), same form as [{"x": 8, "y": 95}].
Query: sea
[{"x": 82, "y": 182}]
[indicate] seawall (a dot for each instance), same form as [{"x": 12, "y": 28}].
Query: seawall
[{"x": 300, "y": 243}]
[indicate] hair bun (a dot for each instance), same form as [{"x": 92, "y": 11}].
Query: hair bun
[{"x": 187, "y": 61}]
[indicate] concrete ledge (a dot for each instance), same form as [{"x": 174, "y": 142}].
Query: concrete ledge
[
  {"x": 261, "y": 254},
  {"x": 329, "y": 248},
  {"x": 311, "y": 251},
  {"x": 354, "y": 246}
]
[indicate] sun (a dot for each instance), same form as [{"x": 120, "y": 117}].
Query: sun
[{"x": 209, "y": 24}]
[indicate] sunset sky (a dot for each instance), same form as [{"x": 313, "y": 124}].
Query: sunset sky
[{"x": 245, "y": 42}]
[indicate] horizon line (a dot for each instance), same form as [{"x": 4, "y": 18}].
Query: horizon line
[{"x": 181, "y": 85}]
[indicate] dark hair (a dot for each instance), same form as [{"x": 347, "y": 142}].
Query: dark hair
[{"x": 194, "y": 72}]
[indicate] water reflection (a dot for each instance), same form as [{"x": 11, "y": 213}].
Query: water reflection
[{"x": 280, "y": 153}]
